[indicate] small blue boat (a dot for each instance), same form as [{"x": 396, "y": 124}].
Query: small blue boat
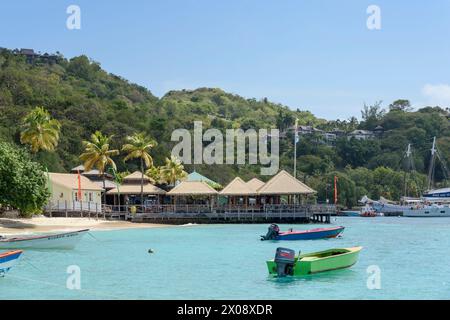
[
  {"x": 349, "y": 213},
  {"x": 313, "y": 234},
  {"x": 7, "y": 260}
]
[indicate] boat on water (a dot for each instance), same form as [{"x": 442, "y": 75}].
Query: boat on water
[
  {"x": 66, "y": 240},
  {"x": 432, "y": 211},
  {"x": 8, "y": 260},
  {"x": 287, "y": 264},
  {"x": 430, "y": 204},
  {"x": 368, "y": 211},
  {"x": 274, "y": 233},
  {"x": 442, "y": 195},
  {"x": 349, "y": 213}
]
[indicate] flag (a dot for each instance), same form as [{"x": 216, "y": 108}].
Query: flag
[
  {"x": 335, "y": 190},
  {"x": 79, "y": 187}
]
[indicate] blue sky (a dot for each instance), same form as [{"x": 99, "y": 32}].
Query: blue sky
[{"x": 313, "y": 55}]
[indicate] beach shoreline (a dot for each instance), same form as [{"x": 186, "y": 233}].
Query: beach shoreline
[{"x": 15, "y": 226}]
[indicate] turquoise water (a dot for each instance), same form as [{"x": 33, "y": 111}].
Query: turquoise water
[{"x": 228, "y": 262}]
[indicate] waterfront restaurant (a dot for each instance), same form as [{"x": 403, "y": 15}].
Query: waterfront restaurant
[
  {"x": 129, "y": 192},
  {"x": 283, "y": 185},
  {"x": 239, "y": 193},
  {"x": 255, "y": 183},
  {"x": 193, "y": 195}
]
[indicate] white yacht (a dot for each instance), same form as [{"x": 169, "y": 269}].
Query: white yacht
[{"x": 428, "y": 211}]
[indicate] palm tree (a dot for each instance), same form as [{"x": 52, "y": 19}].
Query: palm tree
[
  {"x": 138, "y": 147},
  {"x": 154, "y": 173},
  {"x": 98, "y": 155},
  {"x": 173, "y": 171},
  {"x": 40, "y": 131}
]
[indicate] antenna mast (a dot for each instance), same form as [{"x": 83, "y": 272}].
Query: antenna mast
[{"x": 432, "y": 165}]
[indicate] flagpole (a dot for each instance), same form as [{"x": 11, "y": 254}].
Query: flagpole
[
  {"x": 295, "y": 153},
  {"x": 295, "y": 147}
]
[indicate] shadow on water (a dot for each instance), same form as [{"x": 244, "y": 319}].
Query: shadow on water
[{"x": 323, "y": 277}]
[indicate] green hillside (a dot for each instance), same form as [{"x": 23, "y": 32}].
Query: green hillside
[{"x": 85, "y": 98}]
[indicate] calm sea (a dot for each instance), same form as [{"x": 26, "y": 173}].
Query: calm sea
[{"x": 228, "y": 262}]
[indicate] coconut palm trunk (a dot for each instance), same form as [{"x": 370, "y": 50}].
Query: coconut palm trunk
[
  {"x": 142, "y": 184},
  {"x": 104, "y": 188}
]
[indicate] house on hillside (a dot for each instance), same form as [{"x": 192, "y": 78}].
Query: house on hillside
[
  {"x": 361, "y": 135},
  {"x": 31, "y": 56}
]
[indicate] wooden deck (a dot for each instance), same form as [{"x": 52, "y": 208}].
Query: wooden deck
[
  {"x": 264, "y": 214},
  {"x": 183, "y": 214}
]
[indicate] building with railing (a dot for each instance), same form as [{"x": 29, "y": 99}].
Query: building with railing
[{"x": 282, "y": 199}]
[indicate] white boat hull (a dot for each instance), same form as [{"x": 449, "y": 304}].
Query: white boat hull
[
  {"x": 54, "y": 241},
  {"x": 431, "y": 212}
]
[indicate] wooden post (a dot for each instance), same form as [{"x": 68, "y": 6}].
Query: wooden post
[{"x": 65, "y": 207}]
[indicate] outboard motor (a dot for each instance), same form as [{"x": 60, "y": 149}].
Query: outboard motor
[
  {"x": 272, "y": 233},
  {"x": 285, "y": 259}
]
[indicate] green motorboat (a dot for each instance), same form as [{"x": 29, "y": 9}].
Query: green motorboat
[{"x": 287, "y": 264}]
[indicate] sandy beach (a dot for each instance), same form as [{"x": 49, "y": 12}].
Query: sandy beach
[{"x": 44, "y": 224}]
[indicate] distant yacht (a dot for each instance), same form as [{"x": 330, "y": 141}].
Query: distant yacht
[
  {"x": 428, "y": 211},
  {"x": 431, "y": 204},
  {"x": 438, "y": 195}
]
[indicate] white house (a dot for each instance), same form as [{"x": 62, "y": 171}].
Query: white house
[{"x": 64, "y": 189}]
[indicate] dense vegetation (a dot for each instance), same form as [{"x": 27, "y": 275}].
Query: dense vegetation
[
  {"x": 84, "y": 99},
  {"x": 23, "y": 183}
]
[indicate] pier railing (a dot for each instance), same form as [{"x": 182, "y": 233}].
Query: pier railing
[
  {"x": 221, "y": 212},
  {"x": 195, "y": 211},
  {"x": 74, "y": 208}
]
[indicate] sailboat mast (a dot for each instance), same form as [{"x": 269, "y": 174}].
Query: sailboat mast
[
  {"x": 408, "y": 157},
  {"x": 432, "y": 164}
]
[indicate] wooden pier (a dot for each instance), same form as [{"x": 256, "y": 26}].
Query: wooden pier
[
  {"x": 226, "y": 214},
  {"x": 183, "y": 214}
]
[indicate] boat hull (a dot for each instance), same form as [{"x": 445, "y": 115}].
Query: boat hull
[
  {"x": 313, "y": 234},
  {"x": 349, "y": 213},
  {"x": 321, "y": 261},
  {"x": 8, "y": 260},
  {"x": 66, "y": 240},
  {"x": 433, "y": 212}
]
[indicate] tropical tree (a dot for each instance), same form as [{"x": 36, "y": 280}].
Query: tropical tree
[
  {"x": 39, "y": 130},
  {"x": 97, "y": 154},
  {"x": 173, "y": 170},
  {"x": 154, "y": 173},
  {"x": 138, "y": 147},
  {"x": 23, "y": 183}
]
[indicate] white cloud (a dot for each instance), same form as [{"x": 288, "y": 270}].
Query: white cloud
[{"x": 437, "y": 94}]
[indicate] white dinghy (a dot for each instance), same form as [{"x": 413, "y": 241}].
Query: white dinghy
[{"x": 67, "y": 240}]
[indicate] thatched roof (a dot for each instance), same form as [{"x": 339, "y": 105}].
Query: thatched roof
[
  {"x": 70, "y": 180},
  {"x": 238, "y": 187},
  {"x": 284, "y": 184},
  {"x": 255, "y": 183},
  {"x": 192, "y": 188},
  {"x": 137, "y": 175},
  {"x": 136, "y": 189}
]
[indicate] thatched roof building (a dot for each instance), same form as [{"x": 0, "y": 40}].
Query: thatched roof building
[{"x": 284, "y": 184}]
